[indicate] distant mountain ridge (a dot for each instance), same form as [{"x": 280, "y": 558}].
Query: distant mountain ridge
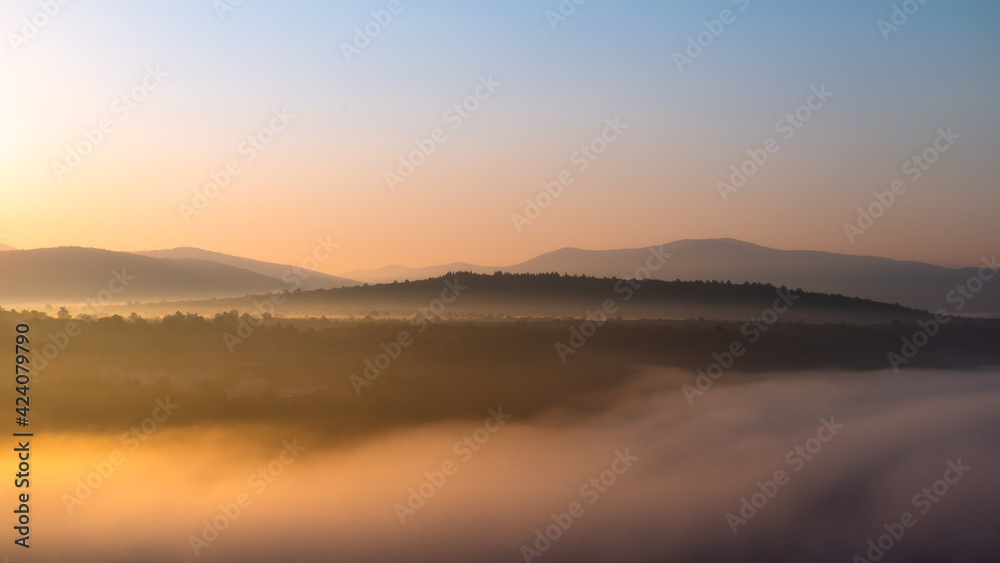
[
  {"x": 73, "y": 274},
  {"x": 77, "y": 275},
  {"x": 311, "y": 280},
  {"x": 913, "y": 284}
]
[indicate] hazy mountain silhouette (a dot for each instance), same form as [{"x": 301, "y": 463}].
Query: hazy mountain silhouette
[
  {"x": 4, "y": 247},
  {"x": 311, "y": 280},
  {"x": 913, "y": 284},
  {"x": 74, "y": 275},
  {"x": 504, "y": 295}
]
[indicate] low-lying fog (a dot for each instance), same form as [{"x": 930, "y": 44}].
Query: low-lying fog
[{"x": 674, "y": 476}]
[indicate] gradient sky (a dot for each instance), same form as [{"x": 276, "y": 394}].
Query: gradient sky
[{"x": 324, "y": 175}]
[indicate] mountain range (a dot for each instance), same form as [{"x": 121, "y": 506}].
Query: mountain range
[
  {"x": 912, "y": 284},
  {"x": 301, "y": 277},
  {"x": 72, "y": 274}
]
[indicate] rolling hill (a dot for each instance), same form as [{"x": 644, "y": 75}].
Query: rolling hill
[
  {"x": 308, "y": 279},
  {"x": 71, "y": 275},
  {"x": 515, "y": 296},
  {"x": 912, "y": 284}
]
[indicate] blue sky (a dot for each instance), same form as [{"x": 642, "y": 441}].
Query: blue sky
[{"x": 608, "y": 59}]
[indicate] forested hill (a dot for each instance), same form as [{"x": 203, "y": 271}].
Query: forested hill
[{"x": 539, "y": 295}]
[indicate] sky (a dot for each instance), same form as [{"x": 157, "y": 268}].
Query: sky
[{"x": 256, "y": 129}]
